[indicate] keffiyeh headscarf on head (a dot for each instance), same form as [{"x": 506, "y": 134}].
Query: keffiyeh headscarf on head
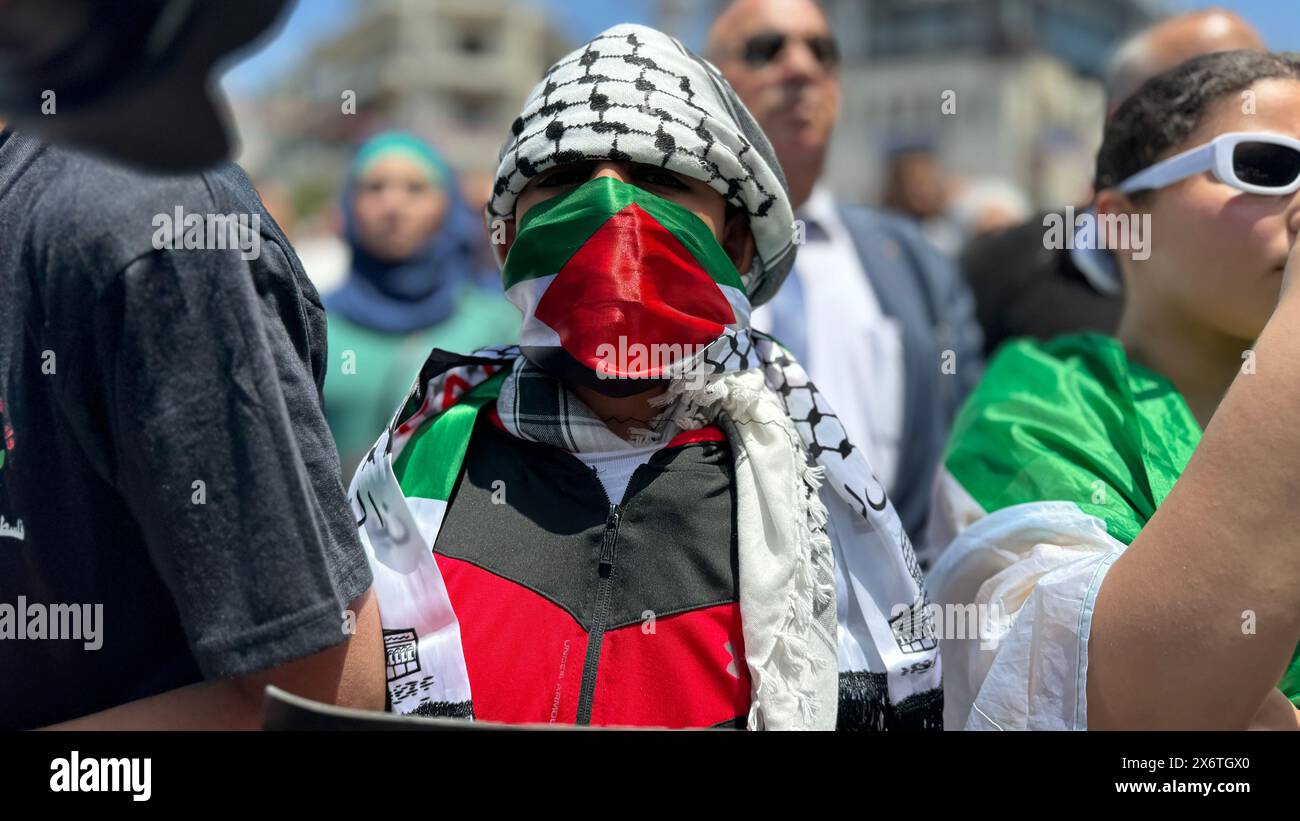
[
  {"x": 636, "y": 94},
  {"x": 835, "y": 626}
]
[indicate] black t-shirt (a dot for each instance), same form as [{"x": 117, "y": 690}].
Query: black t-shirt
[{"x": 169, "y": 487}]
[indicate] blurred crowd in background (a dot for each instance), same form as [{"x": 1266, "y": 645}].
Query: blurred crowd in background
[{"x": 966, "y": 116}]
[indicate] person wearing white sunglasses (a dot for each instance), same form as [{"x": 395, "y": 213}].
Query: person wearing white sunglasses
[
  {"x": 1126, "y": 505},
  {"x": 1257, "y": 162}
]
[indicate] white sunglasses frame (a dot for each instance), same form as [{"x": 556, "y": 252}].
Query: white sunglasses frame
[{"x": 1215, "y": 157}]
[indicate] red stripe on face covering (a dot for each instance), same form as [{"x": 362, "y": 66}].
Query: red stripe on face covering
[{"x": 633, "y": 280}]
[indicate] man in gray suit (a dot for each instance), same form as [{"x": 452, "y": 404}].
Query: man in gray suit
[{"x": 882, "y": 321}]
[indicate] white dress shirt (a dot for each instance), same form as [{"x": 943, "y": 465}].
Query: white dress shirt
[{"x": 853, "y": 352}]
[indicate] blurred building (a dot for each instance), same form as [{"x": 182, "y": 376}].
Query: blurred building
[
  {"x": 1009, "y": 89},
  {"x": 1081, "y": 33},
  {"x": 454, "y": 71}
]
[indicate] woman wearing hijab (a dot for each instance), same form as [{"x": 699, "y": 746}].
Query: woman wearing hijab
[
  {"x": 644, "y": 513},
  {"x": 412, "y": 285}
]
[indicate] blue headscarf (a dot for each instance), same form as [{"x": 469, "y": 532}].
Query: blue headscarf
[{"x": 423, "y": 290}]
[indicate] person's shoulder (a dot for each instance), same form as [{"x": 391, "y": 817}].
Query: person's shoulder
[
  {"x": 104, "y": 194},
  {"x": 905, "y": 244},
  {"x": 95, "y": 217},
  {"x": 1035, "y": 391},
  {"x": 121, "y": 201},
  {"x": 1053, "y": 421},
  {"x": 1038, "y": 397},
  {"x": 228, "y": 186},
  {"x": 862, "y": 218},
  {"x": 1069, "y": 359},
  {"x": 275, "y": 261}
]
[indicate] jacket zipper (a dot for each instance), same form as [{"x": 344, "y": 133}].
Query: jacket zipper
[{"x": 604, "y": 592}]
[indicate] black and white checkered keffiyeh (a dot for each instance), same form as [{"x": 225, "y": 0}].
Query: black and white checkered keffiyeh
[{"x": 633, "y": 93}]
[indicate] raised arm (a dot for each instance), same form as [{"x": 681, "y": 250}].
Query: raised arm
[{"x": 1172, "y": 642}]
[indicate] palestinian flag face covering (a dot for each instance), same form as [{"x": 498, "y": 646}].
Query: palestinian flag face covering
[{"x": 620, "y": 288}]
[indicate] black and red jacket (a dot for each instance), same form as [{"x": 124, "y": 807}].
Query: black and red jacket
[{"x": 577, "y": 609}]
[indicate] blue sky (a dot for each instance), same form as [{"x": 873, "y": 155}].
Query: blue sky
[{"x": 312, "y": 20}]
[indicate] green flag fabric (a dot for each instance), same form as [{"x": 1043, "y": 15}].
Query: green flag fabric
[{"x": 1073, "y": 421}]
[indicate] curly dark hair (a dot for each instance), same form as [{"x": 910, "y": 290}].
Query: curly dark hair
[{"x": 1169, "y": 106}]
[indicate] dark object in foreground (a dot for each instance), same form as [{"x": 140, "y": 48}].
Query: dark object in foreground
[
  {"x": 285, "y": 711},
  {"x": 130, "y": 79}
]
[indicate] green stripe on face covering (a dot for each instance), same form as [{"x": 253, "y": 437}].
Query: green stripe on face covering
[{"x": 553, "y": 231}]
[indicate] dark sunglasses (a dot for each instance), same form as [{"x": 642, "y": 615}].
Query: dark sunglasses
[{"x": 762, "y": 49}]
